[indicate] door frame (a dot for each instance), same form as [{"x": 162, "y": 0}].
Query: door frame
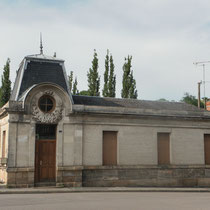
[{"x": 36, "y": 167}]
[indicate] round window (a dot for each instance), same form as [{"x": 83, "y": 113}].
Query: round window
[{"x": 46, "y": 103}]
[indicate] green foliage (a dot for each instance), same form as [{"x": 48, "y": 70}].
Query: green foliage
[
  {"x": 112, "y": 79},
  {"x": 109, "y": 77},
  {"x": 105, "y": 91},
  {"x": 162, "y": 99},
  {"x": 73, "y": 85},
  {"x": 128, "y": 83},
  {"x": 70, "y": 80},
  {"x": 6, "y": 84},
  {"x": 83, "y": 93},
  {"x": 75, "y": 91},
  {"x": 190, "y": 99},
  {"x": 133, "y": 92},
  {"x": 93, "y": 77}
]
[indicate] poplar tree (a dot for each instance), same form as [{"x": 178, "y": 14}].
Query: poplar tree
[
  {"x": 71, "y": 80},
  {"x": 128, "y": 82},
  {"x": 106, "y": 76},
  {"x": 6, "y": 84},
  {"x": 109, "y": 77},
  {"x": 112, "y": 79},
  {"x": 133, "y": 92},
  {"x": 93, "y": 77},
  {"x": 75, "y": 91}
]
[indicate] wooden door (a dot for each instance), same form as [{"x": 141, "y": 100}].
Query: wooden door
[
  {"x": 109, "y": 148},
  {"x": 45, "y": 160}
]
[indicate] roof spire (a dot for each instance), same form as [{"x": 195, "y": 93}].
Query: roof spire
[{"x": 41, "y": 47}]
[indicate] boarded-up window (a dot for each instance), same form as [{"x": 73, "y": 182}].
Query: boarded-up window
[
  {"x": 4, "y": 144},
  {"x": 163, "y": 148},
  {"x": 0, "y": 141},
  {"x": 109, "y": 148},
  {"x": 207, "y": 148}
]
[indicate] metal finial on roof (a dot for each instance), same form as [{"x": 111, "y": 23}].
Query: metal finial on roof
[{"x": 41, "y": 47}]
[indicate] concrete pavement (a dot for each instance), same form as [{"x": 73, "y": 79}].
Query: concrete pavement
[
  {"x": 38, "y": 190},
  {"x": 107, "y": 201}
]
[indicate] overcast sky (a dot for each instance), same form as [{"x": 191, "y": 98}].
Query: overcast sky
[{"x": 164, "y": 37}]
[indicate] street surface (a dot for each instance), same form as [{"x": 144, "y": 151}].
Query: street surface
[{"x": 107, "y": 201}]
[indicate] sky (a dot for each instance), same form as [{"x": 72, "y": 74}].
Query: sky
[{"x": 164, "y": 37}]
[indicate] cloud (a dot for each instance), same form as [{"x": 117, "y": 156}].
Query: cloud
[{"x": 164, "y": 38}]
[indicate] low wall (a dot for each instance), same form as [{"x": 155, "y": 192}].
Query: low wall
[
  {"x": 146, "y": 176},
  {"x": 69, "y": 176},
  {"x": 116, "y": 176}
]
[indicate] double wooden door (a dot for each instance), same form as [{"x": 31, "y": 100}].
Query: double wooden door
[{"x": 45, "y": 160}]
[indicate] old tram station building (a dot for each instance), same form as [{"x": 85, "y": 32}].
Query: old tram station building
[{"x": 49, "y": 137}]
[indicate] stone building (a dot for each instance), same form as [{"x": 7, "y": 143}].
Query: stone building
[{"x": 49, "y": 137}]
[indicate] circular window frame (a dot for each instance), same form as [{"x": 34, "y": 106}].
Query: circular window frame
[{"x": 53, "y": 101}]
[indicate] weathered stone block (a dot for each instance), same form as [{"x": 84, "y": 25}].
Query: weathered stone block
[
  {"x": 11, "y": 178},
  {"x": 189, "y": 182},
  {"x": 204, "y": 182},
  {"x": 207, "y": 172}
]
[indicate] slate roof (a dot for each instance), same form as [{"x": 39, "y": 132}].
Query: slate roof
[
  {"x": 36, "y": 69},
  {"x": 39, "y": 72},
  {"x": 133, "y": 103}
]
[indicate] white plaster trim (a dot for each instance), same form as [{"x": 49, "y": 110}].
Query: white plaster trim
[{"x": 21, "y": 78}]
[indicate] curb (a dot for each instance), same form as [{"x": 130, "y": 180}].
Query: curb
[{"x": 101, "y": 189}]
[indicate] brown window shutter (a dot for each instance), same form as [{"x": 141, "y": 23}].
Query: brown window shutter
[
  {"x": 0, "y": 141},
  {"x": 207, "y": 148},
  {"x": 109, "y": 148},
  {"x": 4, "y": 144},
  {"x": 163, "y": 148}
]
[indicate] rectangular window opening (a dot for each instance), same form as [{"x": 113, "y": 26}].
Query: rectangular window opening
[
  {"x": 4, "y": 145},
  {"x": 109, "y": 148},
  {"x": 45, "y": 131},
  {"x": 163, "y": 148},
  {"x": 207, "y": 148}
]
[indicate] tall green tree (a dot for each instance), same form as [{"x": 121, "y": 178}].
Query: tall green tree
[
  {"x": 128, "y": 82},
  {"x": 109, "y": 77},
  {"x": 105, "y": 91},
  {"x": 132, "y": 92},
  {"x": 6, "y": 84},
  {"x": 75, "y": 91},
  {"x": 93, "y": 77},
  {"x": 71, "y": 80},
  {"x": 112, "y": 79}
]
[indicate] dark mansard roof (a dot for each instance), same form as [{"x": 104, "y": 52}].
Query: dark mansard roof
[{"x": 38, "y": 69}]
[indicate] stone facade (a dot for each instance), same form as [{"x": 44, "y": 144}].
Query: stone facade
[{"x": 79, "y": 141}]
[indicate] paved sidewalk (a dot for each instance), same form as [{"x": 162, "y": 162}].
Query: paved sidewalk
[{"x": 39, "y": 190}]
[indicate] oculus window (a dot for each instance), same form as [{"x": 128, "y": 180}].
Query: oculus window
[{"x": 46, "y": 104}]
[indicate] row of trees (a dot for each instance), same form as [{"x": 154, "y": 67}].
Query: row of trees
[{"x": 109, "y": 88}]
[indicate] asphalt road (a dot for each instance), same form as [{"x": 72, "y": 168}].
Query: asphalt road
[{"x": 106, "y": 201}]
